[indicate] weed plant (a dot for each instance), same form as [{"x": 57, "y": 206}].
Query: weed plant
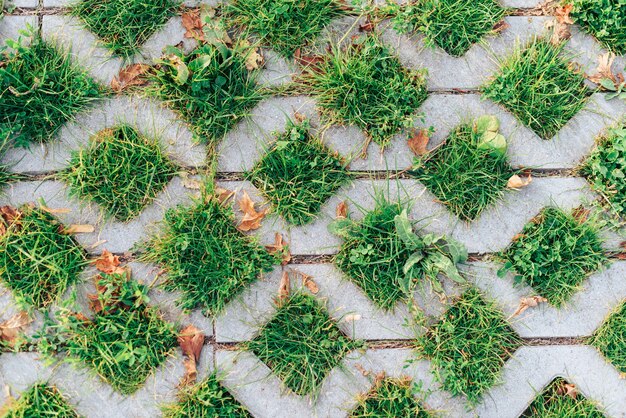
[
  {"x": 604, "y": 19},
  {"x": 391, "y": 398},
  {"x": 40, "y": 401},
  {"x": 610, "y": 338},
  {"x": 553, "y": 402}
]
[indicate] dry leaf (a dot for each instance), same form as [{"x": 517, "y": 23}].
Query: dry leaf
[
  {"x": 190, "y": 183},
  {"x": 310, "y": 62},
  {"x": 560, "y": 32},
  {"x": 132, "y": 75},
  {"x": 280, "y": 246},
  {"x": 192, "y": 22},
  {"x": 516, "y": 182},
  {"x": 368, "y": 26},
  {"x": 191, "y": 341},
  {"x": 109, "y": 263},
  {"x": 56, "y": 211},
  {"x": 500, "y": 26},
  {"x": 529, "y": 302},
  {"x": 79, "y": 229},
  {"x": 605, "y": 71},
  {"x": 251, "y": 218},
  {"x": 341, "y": 212},
  {"x": 10, "y": 214},
  {"x": 223, "y": 195},
  {"x": 284, "y": 287},
  {"x": 309, "y": 283},
  {"x": 352, "y": 317},
  {"x": 562, "y": 14},
  {"x": 581, "y": 214},
  {"x": 419, "y": 141},
  {"x": 568, "y": 389},
  {"x": 362, "y": 369},
  {"x": 299, "y": 117},
  {"x": 13, "y": 327},
  {"x": 254, "y": 60}
]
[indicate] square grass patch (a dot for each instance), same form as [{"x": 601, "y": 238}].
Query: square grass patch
[
  {"x": 123, "y": 26},
  {"x": 206, "y": 399},
  {"x": 298, "y": 174},
  {"x": 301, "y": 344},
  {"x": 537, "y": 85},
  {"x": 38, "y": 262},
  {"x": 468, "y": 346},
  {"x": 452, "y": 25},
  {"x": 554, "y": 254},
  {"x": 125, "y": 341},
  {"x": 391, "y": 398},
  {"x": 41, "y": 400},
  {"x": 284, "y": 24},
  {"x": 367, "y": 86},
  {"x": 210, "y": 87},
  {"x": 206, "y": 258},
  {"x": 121, "y": 170},
  {"x": 610, "y": 338},
  {"x": 40, "y": 90},
  {"x": 605, "y": 20},
  {"x": 464, "y": 176},
  {"x": 553, "y": 402}
]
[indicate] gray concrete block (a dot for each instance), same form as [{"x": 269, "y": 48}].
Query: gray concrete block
[{"x": 10, "y": 26}]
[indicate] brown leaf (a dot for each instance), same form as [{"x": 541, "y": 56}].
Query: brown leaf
[
  {"x": 10, "y": 214},
  {"x": 368, "y": 26},
  {"x": 309, "y": 62},
  {"x": 192, "y": 22},
  {"x": 13, "y": 327},
  {"x": 562, "y": 14},
  {"x": 500, "y": 26},
  {"x": 529, "y": 302},
  {"x": 284, "y": 287},
  {"x": 223, "y": 195},
  {"x": 109, "y": 263},
  {"x": 191, "y": 341},
  {"x": 560, "y": 32},
  {"x": 280, "y": 246},
  {"x": 341, "y": 212},
  {"x": 55, "y": 211},
  {"x": 308, "y": 282},
  {"x": 568, "y": 389},
  {"x": 517, "y": 236},
  {"x": 605, "y": 71},
  {"x": 299, "y": 117},
  {"x": 251, "y": 218},
  {"x": 362, "y": 369},
  {"x": 581, "y": 214},
  {"x": 516, "y": 182},
  {"x": 79, "y": 229},
  {"x": 419, "y": 141},
  {"x": 132, "y": 75},
  {"x": 254, "y": 60}
]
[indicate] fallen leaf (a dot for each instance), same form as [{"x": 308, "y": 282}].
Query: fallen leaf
[
  {"x": 109, "y": 263},
  {"x": 367, "y": 26},
  {"x": 13, "y": 327},
  {"x": 79, "y": 229},
  {"x": 55, "y": 211},
  {"x": 604, "y": 71},
  {"x": 581, "y": 214},
  {"x": 309, "y": 62},
  {"x": 568, "y": 389},
  {"x": 560, "y": 32},
  {"x": 132, "y": 75},
  {"x": 500, "y": 26},
  {"x": 419, "y": 141},
  {"x": 254, "y": 59},
  {"x": 192, "y": 22},
  {"x": 516, "y": 182},
  {"x": 352, "y": 317},
  {"x": 223, "y": 195},
  {"x": 284, "y": 287},
  {"x": 279, "y": 246},
  {"x": 191, "y": 341},
  {"x": 362, "y": 369},
  {"x": 299, "y": 117},
  {"x": 190, "y": 183},
  {"x": 517, "y": 236},
  {"x": 251, "y": 219},
  {"x": 309, "y": 283},
  {"x": 562, "y": 14},
  {"x": 10, "y": 214},
  {"x": 341, "y": 212},
  {"x": 529, "y": 302}
]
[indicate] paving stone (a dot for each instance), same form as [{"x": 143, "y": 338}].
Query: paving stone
[
  {"x": 22, "y": 4},
  {"x": 11, "y": 25}
]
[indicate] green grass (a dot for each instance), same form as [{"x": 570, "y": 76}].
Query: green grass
[
  {"x": 468, "y": 346},
  {"x": 40, "y": 401},
  {"x": 40, "y": 90},
  {"x": 206, "y": 258},
  {"x": 121, "y": 170},
  {"x": 391, "y": 398},
  {"x": 604, "y": 19},
  {"x": 211, "y": 88},
  {"x": 123, "y": 26},
  {"x": 367, "y": 86},
  {"x": 610, "y": 338},
  {"x": 37, "y": 261},
  {"x": 553, "y": 403},
  {"x": 554, "y": 254},
  {"x": 301, "y": 344},
  {"x": 462, "y": 175},
  {"x": 206, "y": 399},
  {"x": 125, "y": 342},
  {"x": 298, "y": 174},
  {"x": 605, "y": 169},
  {"x": 537, "y": 85},
  {"x": 384, "y": 257},
  {"x": 285, "y": 24},
  {"x": 453, "y": 25}
]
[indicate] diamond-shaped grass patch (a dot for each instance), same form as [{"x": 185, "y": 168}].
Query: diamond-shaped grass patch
[
  {"x": 391, "y": 398},
  {"x": 40, "y": 90},
  {"x": 298, "y": 174},
  {"x": 561, "y": 400},
  {"x": 206, "y": 399},
  {"x": 284, "y": 24},
  {"x": 610, "y": 338},
  {"x": 468, "y": 346},
  {"x": 123, "y": 26},
  {"x": 206, "y": 258},
  {"x": 537, "y": 85},
  {"x": 464, "y": 176},
  {"x": 41, "y": 400},
  {"x": 125, "y": 341},
  {"x": 301, "y": 343},
  {"x": 367, "y": 86},
  {"x": 554, "y": 254},
  {"x": 121, "y": 170},
  {"x": 453, "y": 25},
  {"x": 604, "y": 19},
  {"x": 38, "y": 261}
]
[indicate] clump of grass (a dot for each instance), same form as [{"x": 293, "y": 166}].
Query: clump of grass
[
  {"x": 468, "y": 346},
  {"x": 121, "y": 170},
  {"x": 537, "y": 85},
  {"x": 126, "y": 339},
  {"x": 298, "y": 174},
  {"x": 206, "y": 258},
  {"x": 610, "y": 338},
  {"x": 211, "y": 87},
  {"x": 41, "y": 400},
  {"x": 605, "y": 170},
  {"x": 206, "y": 399},
  {"x": 604, "y": 19},
  {"x": 301, "y": 343},
  {"x": 40, "y": 90},
  {"x": 463, "y": 175},
  {"x": 554, "y": 402},
  {"x": 284, "y": 24},
  {"x": 453, "y": 25},
  {"x": 385, "y": 258},
  {"x": 367, "y": 86},
  {"x": 38, "y": 261},
  {"x": 554, "y": 254},
  {"x": 391, "y": 398},
  {"x": 123, "y": 26}
]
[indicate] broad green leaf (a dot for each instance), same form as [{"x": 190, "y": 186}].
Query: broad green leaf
[
  {"x": 405, "y": 283},
  {"x": 341, "y": 227},
  {"x": 493, "y": 141},
  {"x": 486, "y": 123},
  {"x": 608, "y": 84},
  {"x": 415, "y": 258},
  {"x": 441, "y": 263},
  {"x": 457, "y": 251},
  {"x": 404, "y": 229}
]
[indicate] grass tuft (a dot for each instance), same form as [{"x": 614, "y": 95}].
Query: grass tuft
[
  {"x": 468, "y": 346},
  {"x": 121, "y": 170},
  {"x": 554, "y": 254},
  {"x": 553, "y": 402},
  {"x": 537, "y": 85},
  {"x": 40, "y": 90},
  {"x": 38, "y": 262},
  {"x": 40, "y": 401},
  {"x": 604, "y": 19},
  {"x": 391, "y": 398},
  {"x": 301, "y": 344},
  {"x": 610, "y": 338},
  {"x": 298, "y": 174},
  {"x": 206, "y": 258},
  {"x": 367, "y": 86}
]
